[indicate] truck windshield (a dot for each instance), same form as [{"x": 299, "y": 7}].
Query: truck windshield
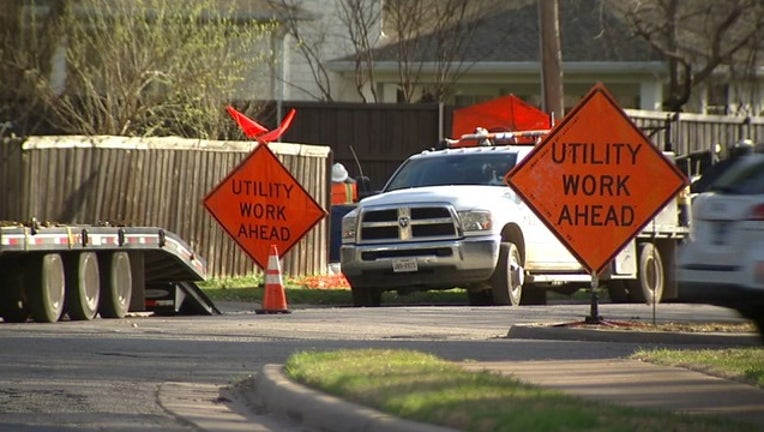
[{"x": 453, "y": 169}]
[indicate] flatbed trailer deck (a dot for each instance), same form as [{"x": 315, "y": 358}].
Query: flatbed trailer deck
[{"x": 54, "y": 271}]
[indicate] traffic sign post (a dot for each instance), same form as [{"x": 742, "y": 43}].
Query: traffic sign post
[
  {"x": 260, "y": 205},
  {"x": 596, "y": 181}
]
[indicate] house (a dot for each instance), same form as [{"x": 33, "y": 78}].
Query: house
[
  {"x": 314, "y": 58},
  {"x": 502, "y": 57}
]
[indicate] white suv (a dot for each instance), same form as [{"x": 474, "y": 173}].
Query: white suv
[{"x": 723, "y": 262}]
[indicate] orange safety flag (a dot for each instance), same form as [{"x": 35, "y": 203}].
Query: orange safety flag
[
  {"x": 344, "y": 193},
  {"x": 255, "y": 130},
  {"x": 250, "y": 127},
  {"x": 276, "y": 133}
]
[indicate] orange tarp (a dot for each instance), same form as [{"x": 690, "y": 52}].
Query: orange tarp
[{"x": 504, "y": 114}]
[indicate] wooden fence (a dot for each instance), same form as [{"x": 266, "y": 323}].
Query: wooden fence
[
  {"x": 162, "y": 181},
  {"x": 687, "y": 133},
  {"x": 153, "y": 182},
  {"x": 381, "y": 135},
  {"x": 695, "y": 138}
]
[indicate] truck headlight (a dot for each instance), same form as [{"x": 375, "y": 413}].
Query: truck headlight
[
  {"x": 349, "y": 228},
  {"x": 475, "y": 220}
]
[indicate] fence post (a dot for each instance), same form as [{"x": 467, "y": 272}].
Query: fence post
[
  {"x": 745, "y": 128},
  {"x": 670, "y": 117}
]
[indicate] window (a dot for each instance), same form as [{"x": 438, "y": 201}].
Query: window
[{"x": 717, "y": 99}]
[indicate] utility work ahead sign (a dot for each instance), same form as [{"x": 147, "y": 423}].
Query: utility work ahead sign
[
  {"x": 596, "y": 180},
  {"x": 260, "y": 204}
]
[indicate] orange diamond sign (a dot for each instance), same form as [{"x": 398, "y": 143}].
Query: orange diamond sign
[
  {"x": 596, "y": 180},
  {"x": 260, "y": 204}
]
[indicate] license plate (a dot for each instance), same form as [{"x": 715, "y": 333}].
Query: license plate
[{"x": 405, "y": 265}]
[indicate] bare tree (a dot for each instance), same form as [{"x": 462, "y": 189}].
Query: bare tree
[
  {"x": 311, "y": 40},
  {"x": 434, "y": 42},
  {"x": 407, "y": 22},
  {"x": 428, "y": 39},
  {"x": 20, "y": 56},
  {"x": 360, "y": 17},
  {"x": 698, "y": 38},
  {"x": 144, "y": 67}
]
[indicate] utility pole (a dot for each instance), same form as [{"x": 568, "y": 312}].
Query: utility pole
[{"x": 551, "y": 58}]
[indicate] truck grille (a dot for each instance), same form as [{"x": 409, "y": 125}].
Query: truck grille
[{"x": 409, "y": 224}]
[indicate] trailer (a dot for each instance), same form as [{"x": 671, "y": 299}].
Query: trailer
[{"x": 50, "y": 272}]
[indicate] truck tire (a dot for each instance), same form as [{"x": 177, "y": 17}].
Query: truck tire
[
  {"x": 507, "y": 279},
  {"x": 82, "y": 286},
  {"x": 116, "y": 284},
  {"x": 648, "y": 287},
  {"x": 46, "y": 288},
  {"x": 366, "y": 296}
]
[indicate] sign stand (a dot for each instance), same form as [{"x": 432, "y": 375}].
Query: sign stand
[
  {"x": 260, "y": 204},
  {"x": 596, "y": 175},
  {"x": 594, "y": 316}
]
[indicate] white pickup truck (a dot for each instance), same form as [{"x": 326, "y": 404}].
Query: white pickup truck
[{"x": 446, "y": 219}]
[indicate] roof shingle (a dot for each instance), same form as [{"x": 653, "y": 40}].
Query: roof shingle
[{"x": 589, "y": 32}]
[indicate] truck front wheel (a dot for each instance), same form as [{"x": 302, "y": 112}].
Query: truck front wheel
[
  {"x": 116, "y": 284},
  {"x": 507, "y": 279}
]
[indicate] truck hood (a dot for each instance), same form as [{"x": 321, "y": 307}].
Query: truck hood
[{"x": 461, "y": 197}]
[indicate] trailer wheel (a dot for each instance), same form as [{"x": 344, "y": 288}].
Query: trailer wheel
[
  {"x": 82, "y": 286},
  {"x": 116, "y": 284},
  {"x": 507, "y": 279},
  {"x": 648, "y": 287},
  {"x": 46, "y": 289}
]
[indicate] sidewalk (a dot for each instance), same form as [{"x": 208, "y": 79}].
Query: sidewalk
[
  {"x": 619, "y": 381},
  {"x": 622, "y": 382},
  {"x": 640, "y": 384}
]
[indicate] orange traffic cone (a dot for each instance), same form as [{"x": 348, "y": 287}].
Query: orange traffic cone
[{"x": 274, "y": 298}]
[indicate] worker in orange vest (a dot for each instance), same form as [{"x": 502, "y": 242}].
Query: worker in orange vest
[{"x": 344, "y": 188}]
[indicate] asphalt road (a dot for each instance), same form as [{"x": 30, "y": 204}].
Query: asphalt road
[{"x": 109, "y": 374}]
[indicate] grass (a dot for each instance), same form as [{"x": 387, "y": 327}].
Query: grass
[
  {"x": 334, "y": 291},
  {"x": 318, "y": 291},
  {"x": 422, "y": 387},
  {"x": 739, "y": 364}
]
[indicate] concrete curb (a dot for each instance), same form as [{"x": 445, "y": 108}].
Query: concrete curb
[
  {"x": 567, "y": 332},
  {"x": 318, "y": 410}
]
